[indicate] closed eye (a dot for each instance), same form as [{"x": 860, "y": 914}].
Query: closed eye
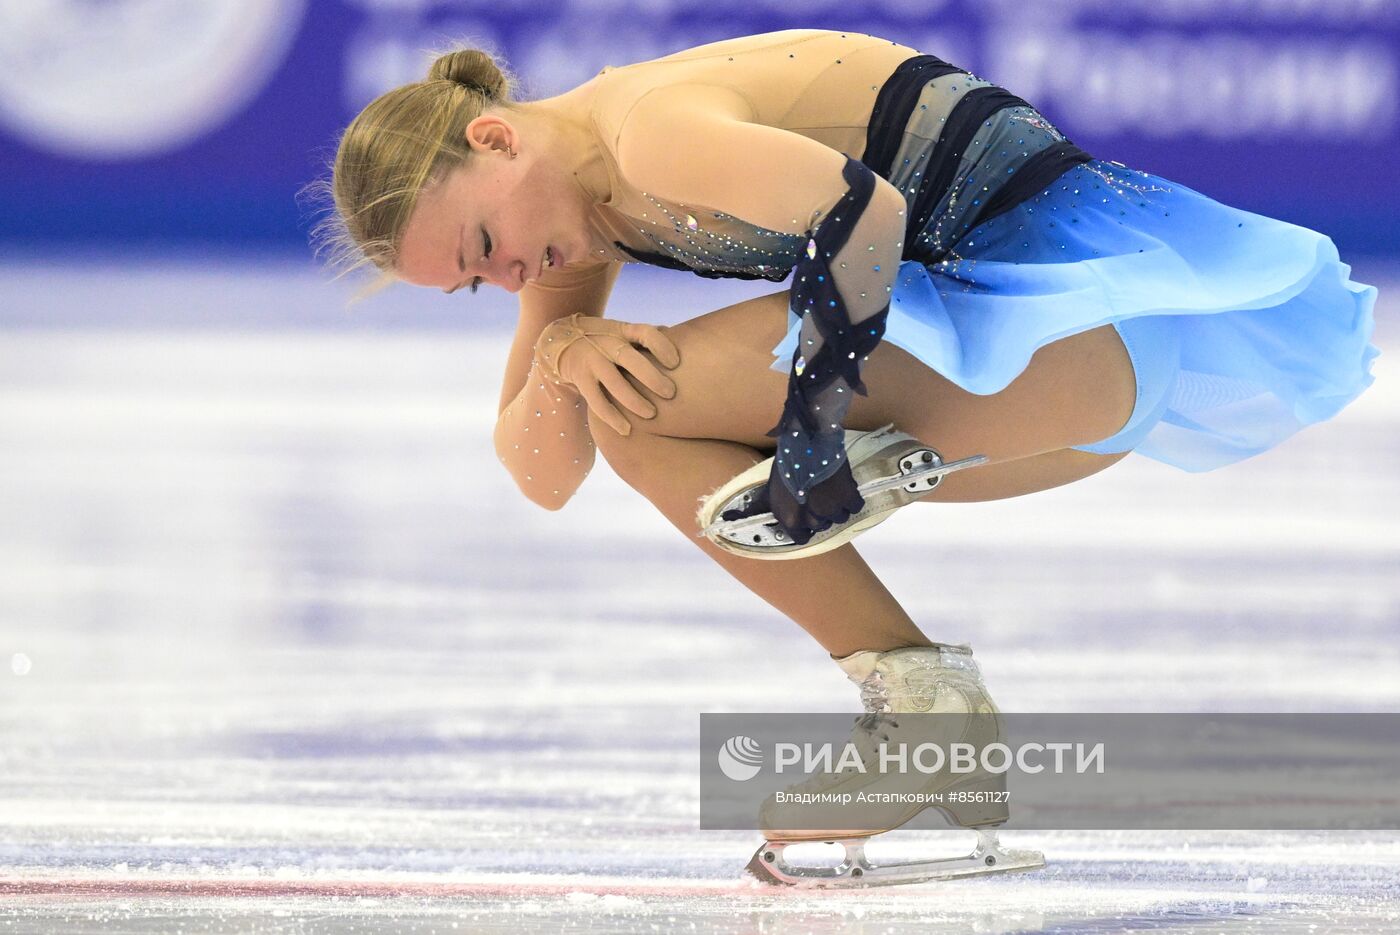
[{"x": 486, "y": 255}]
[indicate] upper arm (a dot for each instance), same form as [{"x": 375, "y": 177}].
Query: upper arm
[
  {"x": 768, "y": 176},
  {"x": 555, "y": 294}
]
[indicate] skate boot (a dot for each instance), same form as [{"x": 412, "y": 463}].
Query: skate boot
[
  {"x": 942, "y": 680},
  {"x": 891, "y": 469}
]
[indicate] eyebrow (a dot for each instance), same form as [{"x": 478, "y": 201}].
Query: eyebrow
[{"x": 461, "y": 259}]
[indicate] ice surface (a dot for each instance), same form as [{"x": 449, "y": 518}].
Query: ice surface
[{"x": 285, "y": 651}]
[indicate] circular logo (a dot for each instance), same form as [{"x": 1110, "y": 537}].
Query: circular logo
[
  {"x": 740, "y": 758},
  {"x": 130, "y": 78}
]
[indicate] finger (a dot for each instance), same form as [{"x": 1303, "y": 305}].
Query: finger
[
  {"x": 625, "y": 393},
  {"x": 598, "y": 402},
  {"x": 657, "y": 341},
  {"x": 641, "y": 367}
]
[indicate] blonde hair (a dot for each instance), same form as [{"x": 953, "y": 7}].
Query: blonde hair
[{"x": 403, "y": 140}]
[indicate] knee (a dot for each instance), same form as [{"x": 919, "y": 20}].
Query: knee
[
  {"x": 606, "y": 438},
  {"x": 624, "y": 453},
  {"x": 671, "y": 416},
  {"x": 638, "y": 458}
]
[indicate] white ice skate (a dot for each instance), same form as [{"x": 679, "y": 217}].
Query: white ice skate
[
  {"x": 915, "y": 680},
  {"x": 890, "y": 469}
]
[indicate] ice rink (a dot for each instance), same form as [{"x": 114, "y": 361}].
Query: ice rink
[{"x": 284, "y": 650}]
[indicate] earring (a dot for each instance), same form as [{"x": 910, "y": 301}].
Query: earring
[{"x": 511, "y": 151}]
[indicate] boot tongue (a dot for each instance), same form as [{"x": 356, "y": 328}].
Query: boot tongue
[{"x": 859, "y": 665}]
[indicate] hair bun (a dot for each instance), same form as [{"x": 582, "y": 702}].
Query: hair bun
[{"x": 471, "y": 68}]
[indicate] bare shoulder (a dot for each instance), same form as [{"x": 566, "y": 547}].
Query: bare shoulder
[
  {"x": 646, "y": 142},
  {"x": 633, "y": 95},
  {"x": 738, "y": 44},
  {"x": 659, "y": 119},
  {"x": 754, "y": 78},
  {"x": 673, "y": 102}
]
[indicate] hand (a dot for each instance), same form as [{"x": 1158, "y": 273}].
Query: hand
[
  {"x": 831, "y": 502},
  {"x": 598, "y": 350}
]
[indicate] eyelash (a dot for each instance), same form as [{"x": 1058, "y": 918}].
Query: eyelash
[{"x": 486, "y": 239}]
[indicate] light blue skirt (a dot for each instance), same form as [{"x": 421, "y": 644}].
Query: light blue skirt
[{"x": 1268, "y": 333}]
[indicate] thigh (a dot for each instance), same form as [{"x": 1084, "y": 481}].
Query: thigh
[
  {"x": 1020, "y": 476},
  {"x": 1074, "y": 391}
]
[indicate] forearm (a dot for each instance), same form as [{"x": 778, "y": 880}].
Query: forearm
[
  {"x": 543, "y": 440},
  {"x": 842, "y": 292}
]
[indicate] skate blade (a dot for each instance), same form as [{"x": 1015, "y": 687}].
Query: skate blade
[
  {"x": 891, "y": 469},
  {"x": 769, "y": 865}
]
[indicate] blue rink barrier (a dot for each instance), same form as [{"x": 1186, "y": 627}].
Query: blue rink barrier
[{"x": 125, "y": 124}]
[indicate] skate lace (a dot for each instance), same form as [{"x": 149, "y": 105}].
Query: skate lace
[
  {"x": 874, "y": 693},
  {"x": 875, "y": 698}
]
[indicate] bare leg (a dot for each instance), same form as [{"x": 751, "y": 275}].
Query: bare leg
[
  {"x": 1075, "y": 391},
  {"x": 849, "y": 610}
]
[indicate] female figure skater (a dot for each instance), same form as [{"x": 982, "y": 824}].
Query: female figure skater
[{"x": 961, "y": 271}]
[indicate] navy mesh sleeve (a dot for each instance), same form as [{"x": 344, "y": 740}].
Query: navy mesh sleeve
[{"x": 841, "y": 289}]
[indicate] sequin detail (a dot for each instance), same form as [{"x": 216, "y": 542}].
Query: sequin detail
[
  {"x": 814, "y": 485},
  {"x": 712, "y": 244}
]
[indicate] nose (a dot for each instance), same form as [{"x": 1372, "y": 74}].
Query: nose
[{"x": 513, "y": 278}]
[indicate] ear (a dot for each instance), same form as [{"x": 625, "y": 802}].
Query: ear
[{"x": 491, "y": 132}]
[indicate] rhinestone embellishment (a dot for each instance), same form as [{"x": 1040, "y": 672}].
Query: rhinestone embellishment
[{"x": 726, "y": 243}]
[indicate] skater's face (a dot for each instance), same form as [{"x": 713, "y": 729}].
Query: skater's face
[{"x": 489, "y": 221}]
